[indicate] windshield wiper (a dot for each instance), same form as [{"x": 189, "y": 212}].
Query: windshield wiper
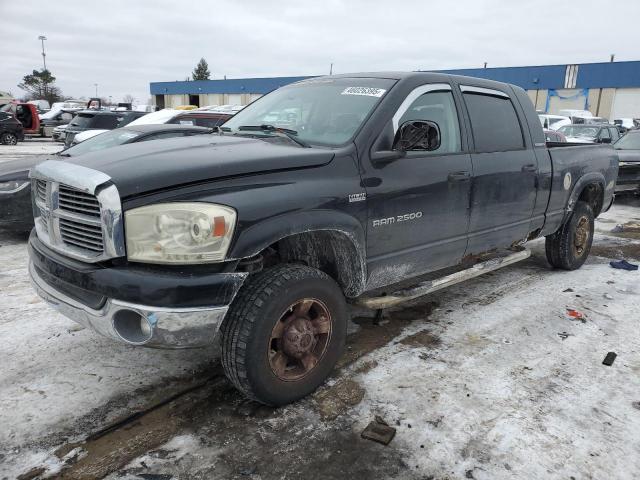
[{"x": 287, "y": 132}]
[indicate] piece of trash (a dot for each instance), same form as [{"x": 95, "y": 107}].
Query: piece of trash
[
  {"x": 568, "y": 290},
  {"x": 379, "y": 432},
  {"x": 575, "y": 314},
  {"x": 610, "y": 282},
  {"x": 635, "y": 405},
  {"x": 608, "y": 360},
  {"x": 617, "y": 229},
  {"x": 608, "y": 296},
  {"x": 623, "y": 265},
  {"x": 564, "y": 335}
]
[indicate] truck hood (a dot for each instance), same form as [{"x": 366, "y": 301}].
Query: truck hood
[
  {"x": 148, "y": 166},
  {"x": 629, "y": 156}
]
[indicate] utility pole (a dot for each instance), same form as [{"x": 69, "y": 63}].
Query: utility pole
[
  {"x": 331, "y": 69},
  {"x": 613, "y": 57},
  {"x": 96, "y": 85},
  {"x": 42, "y": 38},
  {"x": 485, "y": 64}
]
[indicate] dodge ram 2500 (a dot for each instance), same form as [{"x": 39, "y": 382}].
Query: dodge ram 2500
[{"x": 328, "y": 189}]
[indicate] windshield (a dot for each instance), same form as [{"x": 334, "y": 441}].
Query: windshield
[
  {"x": 323, "y": 111},
  {"x": 109, "y": 139},
  {"x": 579, "y": 131},
  {"x": 631, "y": 141},
  {"x": 81, "y": 120}
]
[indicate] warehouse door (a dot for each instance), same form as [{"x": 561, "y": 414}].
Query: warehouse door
[
  {"x": 626, "y": 103},
  {"x": 194, "y": 100}
]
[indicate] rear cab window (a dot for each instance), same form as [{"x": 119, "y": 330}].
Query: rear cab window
[{"x": 495, "y": 125}]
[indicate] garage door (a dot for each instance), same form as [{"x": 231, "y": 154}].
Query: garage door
[{"x": 626, "y": 103}]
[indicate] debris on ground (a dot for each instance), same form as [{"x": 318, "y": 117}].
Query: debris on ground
[
  {"x": 564, "y": 335},
  {"x": 608, "y": 296},
  {"x": 575, "y": 314},
  {"x": 379, "y": 431},
  {"x": 623, "y": 265},
  {"x": 568, "y": 290},
  {"x": 608, "y": 360},
  {"x": 618, "y": 229}
]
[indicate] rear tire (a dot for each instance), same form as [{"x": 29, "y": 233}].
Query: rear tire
[
  {"x": 284, "y": 333},
  {"x": 8, "y": 139},
  {"x": 569, "y": 247}
]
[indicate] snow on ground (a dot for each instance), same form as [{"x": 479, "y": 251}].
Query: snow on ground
[
  {"x": 497, "y": 382},
  {"x": 30, "y": 147}
]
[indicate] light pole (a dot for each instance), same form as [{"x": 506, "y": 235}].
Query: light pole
[
  {"x": 96, "y": 85},
  {"x": 42, "y": 38}
]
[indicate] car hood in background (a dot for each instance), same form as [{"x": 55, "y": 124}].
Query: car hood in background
[
  {"x": 631, "y": 156},
  {"x": 147, "y": 166},
  {"x": 87, "y": 134},
  {"x": 24, "y": 164}
]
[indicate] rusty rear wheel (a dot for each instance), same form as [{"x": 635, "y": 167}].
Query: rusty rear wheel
[
  {"x": 283, "y": 334},
  {"x": 569, "y": 247}
]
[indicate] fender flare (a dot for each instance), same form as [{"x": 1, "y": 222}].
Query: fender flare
[
  {"x": 258, "y": 236},
  {"x": 583, "y": 181}
]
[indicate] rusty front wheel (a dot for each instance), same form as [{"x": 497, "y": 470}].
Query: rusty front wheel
[
  {"x": 284, "y": 333},
  {"x": 569, "y": 247},
  {"x": 299, "y": 339}
]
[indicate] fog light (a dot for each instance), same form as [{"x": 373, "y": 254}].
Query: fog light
[{"x": 132, "y": 327}]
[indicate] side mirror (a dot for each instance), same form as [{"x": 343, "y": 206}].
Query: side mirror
[
  {"x": 417, "y": 135},
  {"x": 605, "y": 140}
]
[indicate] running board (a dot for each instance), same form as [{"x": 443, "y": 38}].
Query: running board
[{"x": 429, "y": 286}]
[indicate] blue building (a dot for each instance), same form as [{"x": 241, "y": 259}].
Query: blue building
[{"x": 610, "y": 89}]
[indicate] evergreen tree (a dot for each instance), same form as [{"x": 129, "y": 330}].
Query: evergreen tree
[
  {"x": 201, "y": 72},
  {"x": 41, "y": 85}
]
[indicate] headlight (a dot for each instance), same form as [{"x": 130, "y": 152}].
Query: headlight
[
  {"x": 13, "y": 186},
  {"x": 179, "y": 233}
]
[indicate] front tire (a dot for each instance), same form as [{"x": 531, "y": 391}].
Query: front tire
[
  {"x": 8, "y": 139},
  {"x": 569, "y": 247},
  {"x": 284, "y": 333}
]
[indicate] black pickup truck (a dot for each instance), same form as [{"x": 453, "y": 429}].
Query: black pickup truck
[{"x": 328, "y": 189}]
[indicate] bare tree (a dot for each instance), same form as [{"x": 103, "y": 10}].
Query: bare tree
[{"x": 128, "y": 98}]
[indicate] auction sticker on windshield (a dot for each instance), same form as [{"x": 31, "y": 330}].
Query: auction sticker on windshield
[{"x": 368, "y": 91}]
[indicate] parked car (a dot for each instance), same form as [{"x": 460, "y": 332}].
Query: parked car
[
  {"x": 11, "y": 130},
  {"x": 553, "y": 136},
  {"x": 628, "y": 148},
  {"x": 590, "y": 133},
  {"x": 27, "y": 114},
  {"x": 553, "y": 122},
  {"x": 55, "y": 118},
  {"x": 262, "y": 233},
  {"x": 15, "y": 199},
  {"x": 208, "y": 119},
  {"x": 58, "y": 133},
  {"x": 98, "y": 120}
]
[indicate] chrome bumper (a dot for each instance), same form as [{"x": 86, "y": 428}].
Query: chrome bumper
[{"x": 138, "y": 324}]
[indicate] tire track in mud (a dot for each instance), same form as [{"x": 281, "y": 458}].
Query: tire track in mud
[{"x": 211, "y": 399}]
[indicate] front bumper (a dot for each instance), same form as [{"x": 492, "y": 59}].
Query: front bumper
[
  {"x": 138, "y": 324},
  {"x": 190, "y": 314}
]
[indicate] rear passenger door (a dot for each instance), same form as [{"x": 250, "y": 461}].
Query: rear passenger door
[{"x": 504, "y": 184}]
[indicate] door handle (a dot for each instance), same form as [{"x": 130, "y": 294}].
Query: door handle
[
  {"x": 459, "y": 176},
  {"x": 530, "y": 168}
]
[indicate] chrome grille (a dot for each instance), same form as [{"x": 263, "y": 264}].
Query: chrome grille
[
  {"x": 77, "y": 211},
  {"x": 41, "y": 191},
  {"x": 82, "y": 235},
  {"x": 77, "y": 201}
]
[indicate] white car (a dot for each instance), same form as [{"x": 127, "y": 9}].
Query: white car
[
  {"x": 553, "y": 122},
  {"x": 59, "y": 133}
]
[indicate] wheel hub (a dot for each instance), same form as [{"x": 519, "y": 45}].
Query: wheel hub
[
  {"x": 298, "y": 338},
  {"x": 581, "y": 236}
]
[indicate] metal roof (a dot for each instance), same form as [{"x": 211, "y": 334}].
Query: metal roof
[{"x": 541, "y": 77}]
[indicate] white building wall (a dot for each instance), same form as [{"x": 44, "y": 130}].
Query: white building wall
[{"x": 626, "y": 103}]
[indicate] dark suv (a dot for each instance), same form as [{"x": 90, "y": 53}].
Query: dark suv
[
  {"x": 98, "y": 120},
  {"x": 11, "y": 129}
]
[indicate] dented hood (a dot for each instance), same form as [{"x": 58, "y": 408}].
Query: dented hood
[{"x": 148, "y": 166}]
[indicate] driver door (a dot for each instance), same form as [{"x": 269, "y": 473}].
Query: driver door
[{"x": 419, "y": 204}]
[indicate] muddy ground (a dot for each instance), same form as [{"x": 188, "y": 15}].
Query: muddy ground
[{"x": 488, "y": 379}]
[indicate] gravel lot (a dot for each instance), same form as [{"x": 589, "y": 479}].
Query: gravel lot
[{"x": 489, "y": 379}]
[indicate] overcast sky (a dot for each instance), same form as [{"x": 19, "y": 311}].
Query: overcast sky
[{"x": 123, "y": 45}]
